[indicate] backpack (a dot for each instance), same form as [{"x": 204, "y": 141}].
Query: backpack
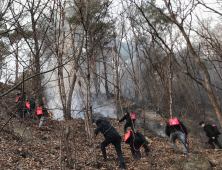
[
  {"x": 17, "y": 99},
  {"x": 174, "y": 121},
  {"x": 39, "y": 111},
  {"x": 27, "y": 104},
  {"x": 216, "y": 130},
  {"x": 133, "y": 116},
  {"x": 127, "y": 135}
]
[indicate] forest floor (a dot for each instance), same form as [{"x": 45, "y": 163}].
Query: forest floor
[{"x": 23, "y": 146}]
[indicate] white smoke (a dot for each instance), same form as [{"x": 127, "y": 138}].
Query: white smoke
[{"x": 100, "y": 104}]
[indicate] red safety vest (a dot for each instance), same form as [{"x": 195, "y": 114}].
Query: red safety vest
[
  {"x": 17, "y": 99},
  {"x": 127, "y": 135},
  {"x": 39, "y": 110},
  {"x": 133, "y": 116},
  {"x": 27, "y": 104},
  {"x": 173, "y": 121}
]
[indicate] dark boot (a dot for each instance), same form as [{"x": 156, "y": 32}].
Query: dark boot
[
  {"x": 212, "y": 145},
  {"x": 217, "y": 143},
  {"x": 123, "y": 166}
]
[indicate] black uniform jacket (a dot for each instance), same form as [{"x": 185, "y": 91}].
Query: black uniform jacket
[
  {"x": 209, "y": 130},
  {"x": 127, "y": 117},
  {"x": 172, "y": 129},
  {"x": 136, "y": 140},
  {"x": 106, "y": 129}
]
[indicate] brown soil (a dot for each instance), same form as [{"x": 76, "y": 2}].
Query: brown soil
[{"x": 24, "y": 146}]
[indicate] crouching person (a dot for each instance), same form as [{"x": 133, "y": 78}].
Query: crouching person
[
  {"x": 136, "y": 142},
  {"x": 176, "y": 130},
  {"x": 111, "y": 136}
]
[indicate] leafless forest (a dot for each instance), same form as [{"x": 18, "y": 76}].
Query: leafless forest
[{"x": 80, "y": 55}]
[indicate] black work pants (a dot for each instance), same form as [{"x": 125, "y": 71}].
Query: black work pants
[
  {"x": 116, "y": 141},
  {"x": 211, "y": 141},
  {"x": 129, "y": 124}
]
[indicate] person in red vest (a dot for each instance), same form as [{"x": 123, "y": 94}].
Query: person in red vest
[
  {"x": 18, "y": 98},
  {"x": 21, "y": 105},
  {"x": 175, "y": 129},
  {"x": 41, "y": 112},
  {"x": 136, "y": 142},
  {"x": 212, "y": 134},
  {"x": 17, "y": 101},
  {"x": 129, "y": 121}
]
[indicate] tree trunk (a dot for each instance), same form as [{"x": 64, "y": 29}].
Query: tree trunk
[
  {"x": 114, "y": 84},
  {"x": 89, "y": 104},
  {"x": 67, "y": 145},
  {"x": 69, "y": 100},
  {"x": 75, "y": 70},
  {"x": 170, "y": 87},
  {"x": 61, "y": 83},
  {"x": 117, "y": 76},
  {"x": 37, "y": 60},
  {"x": 16, "y": 62},
  {"x": 137, "y": 79},
  {"x": 93, "y": 62},
  {"x": 105, "y": 74},
  {"x": 86, "y": 120}
]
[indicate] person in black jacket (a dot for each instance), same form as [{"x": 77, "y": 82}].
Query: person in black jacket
[
  {"x": 32, "y": 106},
  {"x": 136, "y": 142},
  {"x": 209, "y": 130},
  {"x": 177, "y": 132},
  {"x": 111, "y": 136},
  {"x": 129, "y": 121},
  {"x": 18, "y": 97}
]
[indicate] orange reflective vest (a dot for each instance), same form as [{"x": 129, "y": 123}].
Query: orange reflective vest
[
  {"x": 27, "y": 104},
  {"x": 39, "y": 110}
]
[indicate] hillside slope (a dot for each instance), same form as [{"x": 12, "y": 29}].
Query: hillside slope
[{"x": 24, "y": 146}]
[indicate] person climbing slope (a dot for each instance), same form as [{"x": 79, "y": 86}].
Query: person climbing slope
[
  {"x": 20, "y": 105},
  {"x": 18, "y": 97},
  {"x": 213, "y": 133},
  {"x": 130, "y": 119},
  {"x": 176, "y": 130},
  {"x": 111, "y": 136}
]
